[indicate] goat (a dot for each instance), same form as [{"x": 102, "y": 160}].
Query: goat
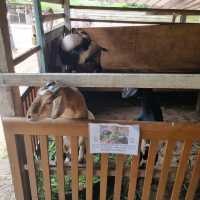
[
  {"x": 150, "y": 111},
  {"x": 52, "y": 101},
  {"x": 80, "y": 54}
]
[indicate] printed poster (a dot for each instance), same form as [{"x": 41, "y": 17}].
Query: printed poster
[{"x": 114, "y": 138}]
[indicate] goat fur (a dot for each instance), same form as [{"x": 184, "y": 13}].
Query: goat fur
[{"x": 55, "y": 102}]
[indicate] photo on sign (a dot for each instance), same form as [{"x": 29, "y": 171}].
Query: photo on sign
[
  {"x": 114, "y": 138},
  {"x": 114, "y": 134}
]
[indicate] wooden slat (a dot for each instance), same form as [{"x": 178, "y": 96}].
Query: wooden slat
[
  {"x": 118, "y": 21},
  {"x": 148, "y": 10},
  {"x": 14, "y": 164},
  {"x": 149, "y": 169},
  {"x": 111, "y": 171},
  {"x": 194, "y": 179},
  {"x": 89, "y": 173},
  {"x": 103, "y": 176},
  {"x": 149, "y": 130},
  {"x": 53, "y": 1},
  {"x": 133, "y": 177},
  {"x": 74, "y": 159},
  {"x": 67, "y": 14},
  {"x": 25, "y": 55},
  {"x": 50, "y": 17},
  {"x": 180, "y": 175},
  {"x": 60, "y": 165},
  {"x": 31, "y": 166},
  {"x": 45, "y": 166},
  {"x": 167, "y": 81},
  {"x": 118, "y": 176},
  {"x": 165, "y": 169}
]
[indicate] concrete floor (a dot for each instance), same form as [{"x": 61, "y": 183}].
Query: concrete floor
[
  {"x": 22, "y": 42},
  {"x": 6, "y": 187}
]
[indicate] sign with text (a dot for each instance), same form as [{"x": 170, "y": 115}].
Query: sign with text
[{"x": 114, "y": 138}]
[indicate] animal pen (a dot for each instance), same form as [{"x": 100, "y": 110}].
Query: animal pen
[{"x": 147, "y": 61}]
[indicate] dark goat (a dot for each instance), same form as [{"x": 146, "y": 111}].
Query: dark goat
[
  {"x": 150, "y": 107},
  {"x": 80, "y": 54},
  {"x": 150, "y": 111}
]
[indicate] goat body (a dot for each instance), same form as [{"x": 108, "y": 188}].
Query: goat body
[
  {"x": 150, "y": 111},
  {"x": 55, "y": 102}
]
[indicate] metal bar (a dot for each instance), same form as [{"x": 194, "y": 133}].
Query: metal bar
[{"x": 40, "y": 34}]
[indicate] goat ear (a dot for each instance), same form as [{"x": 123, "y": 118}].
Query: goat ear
[{"x": 57, "y": 106}]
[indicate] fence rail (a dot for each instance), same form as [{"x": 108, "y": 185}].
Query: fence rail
[{"x": 156, "y": 132}]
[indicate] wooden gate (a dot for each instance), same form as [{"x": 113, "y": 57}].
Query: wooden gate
[{"x": 188, "y": 133}]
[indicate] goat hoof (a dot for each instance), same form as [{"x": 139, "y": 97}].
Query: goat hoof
[{"x": 81, "y": 160}]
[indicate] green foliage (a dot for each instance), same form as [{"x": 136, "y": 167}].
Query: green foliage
[
  {"x": 104, "y": 3},
  {"x": 67, "y": 179},
  {"x": 58, "y": 8},
  {"x": 52, "y": 149}
]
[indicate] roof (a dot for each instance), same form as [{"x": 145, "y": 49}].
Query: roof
[{"x": 170, "y": 4}]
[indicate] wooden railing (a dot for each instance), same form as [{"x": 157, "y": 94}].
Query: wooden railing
[
  {"x": 27, "y": 98},
  {"x": 188, "y": 133}
]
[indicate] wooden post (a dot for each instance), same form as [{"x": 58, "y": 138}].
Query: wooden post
[
  {"x": 183, "y": 19},
  {"x": 198, "y": 103},
  {"x": 174, "y": 16},
  {"x": 67, "y": 15},
  {"x": 10, "y": 100},
  {"x": 40, "y": 35}
]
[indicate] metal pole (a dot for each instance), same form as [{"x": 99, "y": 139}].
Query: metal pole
[{"x": 40, "y": 35}]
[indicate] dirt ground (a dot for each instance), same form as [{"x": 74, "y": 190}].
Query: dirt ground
[{"x": 176, "y": 106}]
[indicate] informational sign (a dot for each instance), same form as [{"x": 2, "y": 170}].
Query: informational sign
[{"x": 114, "y": 138}]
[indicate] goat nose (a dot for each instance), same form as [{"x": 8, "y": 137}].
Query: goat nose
[{"x": 29, "y": 116}]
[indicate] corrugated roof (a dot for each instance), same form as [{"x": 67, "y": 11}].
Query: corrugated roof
[{"x": 170, "y": 4}]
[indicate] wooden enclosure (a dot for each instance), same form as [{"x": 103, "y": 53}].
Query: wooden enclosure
[
  {"x": 163, "y": 47},
  {"x": 155, "y": 132}
]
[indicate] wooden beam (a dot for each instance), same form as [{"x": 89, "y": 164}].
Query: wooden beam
[
  {"x": 120, "y": 21},
  {"x": 25, "y": 55},
  {"x": 65, "y": 127},
  {"x": 46, "y": 18},
  {"x": 67, "y": 14},
  {"x": 148, "y": 10},
  {"x": 164, "y": 81},
  {"x": 40, "y": 34},
  {"x": 10, "y": 102},
  {"x": 53, "y": 1},
  {"x": 50, "y": 17},
  {"x": 198, "y": 103}
]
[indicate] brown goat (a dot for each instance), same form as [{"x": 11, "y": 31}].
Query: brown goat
[{"x": 54, "y": 102}]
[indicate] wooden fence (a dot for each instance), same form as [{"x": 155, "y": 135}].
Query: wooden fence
[
  {"x": 27, "y": 98},
  {"x": 156, "y": 132}
]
